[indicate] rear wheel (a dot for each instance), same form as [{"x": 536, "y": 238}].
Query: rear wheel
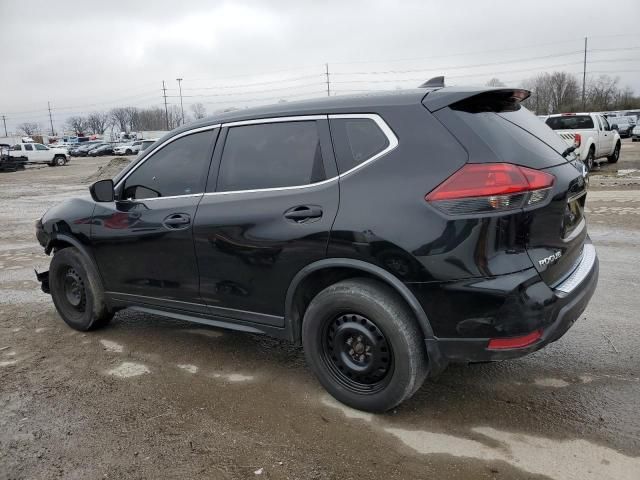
[
  {"x": 590, "y": 160},
  {"x": 363, "y": 344},
  {"x": 613, "y": 158},
  {"x": 76, "y": 291},
  {"x": 128, "y": 152}
]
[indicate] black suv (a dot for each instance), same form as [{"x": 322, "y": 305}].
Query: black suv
[{"x": 388, "y": 234}]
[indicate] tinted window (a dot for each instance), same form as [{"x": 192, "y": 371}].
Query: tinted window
[
  {"x": 605, "y": 123},
  {"x": 356, "y": 140},
  {"x": 40, "y": 147},
  {"x": 28, "y": 146},
  {"x": 571, "y": 122},
  {"x": 180, "y": 168},
  {"x": 17, "y": 147},
  {"x": 271, "y": 155}
]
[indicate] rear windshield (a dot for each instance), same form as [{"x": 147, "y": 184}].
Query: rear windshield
[
  {"x": 571, "y": 122},
  {"x": 516, "y": 136}
]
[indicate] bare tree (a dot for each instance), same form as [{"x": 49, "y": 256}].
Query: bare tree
[
  {"x": 119, "y": 117},
  {"x": 563, "y": 91},
  {"x": 78, "y": 124},
  {"x": 29, "y": 128},
  {"x": 97, "y": 122},
  {"x": 198, "y": 110},
  {"x": 602, "y": 92},
  {"x": 132, "y": 118},
  {"x": 495, "y": 82}
]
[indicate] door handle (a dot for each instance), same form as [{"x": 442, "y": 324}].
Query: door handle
[
  {"x": 177, "y": 221},
  {"x": 303, "y": 213}
]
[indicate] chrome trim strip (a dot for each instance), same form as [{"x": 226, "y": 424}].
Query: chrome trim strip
[
  {"x": 134, "y": 200},
  {"x": 581, "y": 271},
  {"x": 297, "y": 118},
  {"x": 162, "y": 145}
]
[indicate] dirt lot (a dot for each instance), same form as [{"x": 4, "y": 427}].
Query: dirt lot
[{"x": 149, "y": 397}]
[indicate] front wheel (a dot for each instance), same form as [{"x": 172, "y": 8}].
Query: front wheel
[
  {"x": 128, "y": 152},
  {"x": 613, "y": 158},
  {"x": 76, "y": 291},
  {"x": 590, "y": 160},
  {"x": 59, "y": 161},
  {"x": 364, "y": 345}
]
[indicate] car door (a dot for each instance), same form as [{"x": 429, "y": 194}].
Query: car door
[
  {"x": 607, "y": 138},
  {"x": 267, "y": 213},
  {"x": 41, "y": 153},
  {"x": 29, "y": 152},
  {"x": 143, "y": 241}
]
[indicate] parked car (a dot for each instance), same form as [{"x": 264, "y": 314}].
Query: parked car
[
  {"x": 82, "y": 149},
  {"x": 147, "y": 143},
  {"x": 128, "y": 148},
  {"x": 389, "y": 235},
  {"x": 590, "y": 134},
  {"x": 100, "y": 150},
  {"x": 635, "y": 133},
  {"x": 623, "y": 125},
  {"x": 39, "y": 153}
]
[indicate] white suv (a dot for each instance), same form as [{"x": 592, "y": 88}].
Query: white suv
[{"x": 128, "y": 149}]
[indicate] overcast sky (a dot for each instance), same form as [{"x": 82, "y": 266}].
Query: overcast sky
[{"x": 83, "y": 57}]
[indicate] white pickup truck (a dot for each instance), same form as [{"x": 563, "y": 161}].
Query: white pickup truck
[
  {"x": 39, "y": 153},
  {"x": 590, "y": 133}
]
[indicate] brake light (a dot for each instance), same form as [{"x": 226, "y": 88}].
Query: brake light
[
  {"x": 491, "y": 187},
  {"x": 514, "y": 342},
  {"x": 577, "y": 140}
]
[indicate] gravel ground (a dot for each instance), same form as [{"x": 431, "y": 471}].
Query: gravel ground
[{"x": 149, "y": 397}]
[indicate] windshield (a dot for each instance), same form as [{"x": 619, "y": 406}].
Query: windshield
[{"x": 571, "y": 122}]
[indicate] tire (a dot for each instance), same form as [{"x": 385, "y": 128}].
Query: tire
[
  {"x": 76, "y": 291},
  {"x": 128, "y": 152},
  {"x": 590, "y": 160},
  {"x": 59, "y": 161},
  {"x": 364, "y": 345},
  {"x": 616, "y": 154}
]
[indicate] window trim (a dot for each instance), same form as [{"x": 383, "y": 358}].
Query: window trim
[{"x": 382, "y": 124}]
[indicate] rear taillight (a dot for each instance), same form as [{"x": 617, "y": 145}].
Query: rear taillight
[
  {"x": 514, "y": 342},
  {"x": 577, "y": 140},
  {"x": 491, "y": 187}
]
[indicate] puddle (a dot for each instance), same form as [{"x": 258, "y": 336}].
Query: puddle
[
  {"x": 560, "y": 460},
  {"x": 128, "y": 369},
  {"x": 110, "y": 346},
  {"x": 188, "y": 368}
]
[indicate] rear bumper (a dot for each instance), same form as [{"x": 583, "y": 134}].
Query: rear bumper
[{"x": 565, "y": 305}]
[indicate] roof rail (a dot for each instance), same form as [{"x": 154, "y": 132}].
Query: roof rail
[{"x": 433, "y": 82}]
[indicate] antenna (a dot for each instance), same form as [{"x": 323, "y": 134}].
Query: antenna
[{"x": 435, "y": 82}]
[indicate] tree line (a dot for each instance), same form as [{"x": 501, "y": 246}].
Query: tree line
[
  {"x": 125, "y": 119},
  {"x": 561, "y": 92}
]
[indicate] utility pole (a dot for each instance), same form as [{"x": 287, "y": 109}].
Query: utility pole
[
  {"x": 326, "y": 67},
  {"x": 584, "y": 76},
  {"x": 4, "y": 120},
  {"x": 50, "y": 119},
  {"x": 180, "y": 88},
  {"x": 166, "y": 110}
]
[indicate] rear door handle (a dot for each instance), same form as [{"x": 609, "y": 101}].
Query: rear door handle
[
  {"x": 303, "y": 213},
  {"x": 177, "y": 221}
]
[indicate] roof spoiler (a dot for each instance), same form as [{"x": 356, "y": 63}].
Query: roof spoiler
[
  {"x": 435, "y": 82},
  {"x": 476, "y": 99}
]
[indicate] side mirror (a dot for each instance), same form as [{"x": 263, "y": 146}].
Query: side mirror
[
  {"x": 102, "y": 191},
  {"x": 614, "y": 126}
]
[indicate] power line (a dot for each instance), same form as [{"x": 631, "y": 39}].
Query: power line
[
  {"x": 50, "y": 119},
  {"x": 317, "y": 84},
  {"x": 166, "y": 110},
  {"x": 286, "y": 80},
  {"x": 326, "y": 66}
]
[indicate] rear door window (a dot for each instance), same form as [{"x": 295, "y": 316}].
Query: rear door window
[
  {"x": 271, "y": 155},
  {"x": 356, "y": 140},
  {"x": 28, "y": 146}
]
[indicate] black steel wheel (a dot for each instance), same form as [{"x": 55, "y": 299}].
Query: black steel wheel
[
  {"x": 364, "y": 345},
  {"x": 613, "y": 158},
  {"x": 76, "y": 290},
  {"x": 357, "y": 353}
]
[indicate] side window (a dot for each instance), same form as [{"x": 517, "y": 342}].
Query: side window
[
  {"x": 40, "y": 146},
  {"x": 17, "y": 148},
  {"x": 356, "y": 140},
  {"x": 180, "y": 168},
  {"x": 270, "y": 155},
  {"x": 28, "y": 147},
  {"x": 605, "y": 124}
]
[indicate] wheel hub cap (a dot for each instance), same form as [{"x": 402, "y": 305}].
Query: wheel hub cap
[{"x": 74, "y": 289}]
